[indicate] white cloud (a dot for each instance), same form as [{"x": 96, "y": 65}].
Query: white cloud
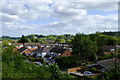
[
  {"x": 71, "y": 17},
  {"x": 9, "y": 18}
]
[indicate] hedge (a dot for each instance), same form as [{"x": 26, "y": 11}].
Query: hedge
[{"x": 65, "y": 62}]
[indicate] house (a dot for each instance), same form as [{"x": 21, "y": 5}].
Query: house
[
  {"x": 104, "y": 65},
  {"x": 17, "y": 45},
  {"x": 28, "y": 45},
  {"x": 59, "y": 51},
  {"x": 31, "y": 45},
  {"x": 110, "y": 49},
  {"x": 56, "y": 52},
  {"x": 9, "y": 43},
  {"x": 34, "y": 52},
  {"x": 22, "y": 50},
  {"x": 108, "y": 63},
  {"x": 40, "y": 50}
]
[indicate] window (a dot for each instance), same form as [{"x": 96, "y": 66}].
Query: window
[{"x": 67, "y": 54}]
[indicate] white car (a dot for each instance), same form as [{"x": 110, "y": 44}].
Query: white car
[
  {"x": 38, "y": 63},
  {"x": 87, "y": 73}
]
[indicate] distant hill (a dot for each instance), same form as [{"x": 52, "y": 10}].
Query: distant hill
[
  {"x": 112, "y": 33},
  {"x": 8, "y": 37}
]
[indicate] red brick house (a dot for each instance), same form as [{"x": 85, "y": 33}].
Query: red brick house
[
  {"x": 59, "y": 51},
  {"x": 66, "y": 53}
]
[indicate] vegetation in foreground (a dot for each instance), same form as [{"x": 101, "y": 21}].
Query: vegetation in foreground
[{"x": 13, "y": 66}]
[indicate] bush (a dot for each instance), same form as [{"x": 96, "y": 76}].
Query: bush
[
  {"x": 106, "y": 56},
  {"x": 37, "y": 59},
  {"x": 65, "y": 62},
  {"x": 118, "y": 55},
  {"x": 85, "y": 68},
  {"x": 56, "y": 73}
]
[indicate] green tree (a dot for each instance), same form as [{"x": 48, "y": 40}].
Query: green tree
[
  {"x": 62, "y": 40},
  {"x": 55, "y": 71},
  {"x": 5, "y": 43},
  {"x": 83, "y": 46},
  {"x": 37, "y": 40},
  {"x": 32, "y": 38},
  {"x": 29, "y": 41},
  {"x": 23, "y": 40}
]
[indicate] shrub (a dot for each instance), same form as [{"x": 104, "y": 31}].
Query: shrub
[
  {"x": 65, "y": 62},
  {"x": 37, "y": 59}
]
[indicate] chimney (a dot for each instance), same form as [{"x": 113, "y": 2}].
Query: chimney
[
  {"x": 24, "y": 45},
  {"x": 38, "y": 46}
]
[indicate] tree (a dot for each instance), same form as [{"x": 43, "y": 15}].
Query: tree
[
  {"x": 55, "y": 71},
  {"x": 83, "y": 46},
  {"x": 29, "y": 41},
  {"x": 36, "y": 40},
  {"x": 32, "y": 38},
  {"x": 62, "y": 40},
  {"x": 23, "y": 40},
  {"x": 5, "y": 43}
]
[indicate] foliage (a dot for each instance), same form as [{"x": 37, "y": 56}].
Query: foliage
[
  {"x": 5, "y": 42},
  {"x": 83, "y": 46},
  {"x": 23, "y": 39},
  {"x": 56, "y": 73},
  {"x": 106, "y": 56},
  {"x": 118, "y": 55},
  {"x": 65, "y": 62},
  {"x": 110, "y": 75},
  {"x": 92, "y": 69},
  {"x": 13, "y": 66},
  {"x": 36, "y": 59}
]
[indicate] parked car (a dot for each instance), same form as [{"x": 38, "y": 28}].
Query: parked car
[
  {"x": 38, "y": 63},
  {"x": 87, "y": 73}
]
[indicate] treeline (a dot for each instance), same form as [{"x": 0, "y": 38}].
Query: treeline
[
  {"x": 112, "y": 33},
  {"x": 46, "y": 39},
  {"x": 8, "y": 37}
]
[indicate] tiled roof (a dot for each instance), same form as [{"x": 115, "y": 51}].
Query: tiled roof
[
  {"x": 58, "y": 49},
  {"x": 108, "y": 47},
  {"x": 18, "y": 47},
  {"x": 47, "y": 56},
  {"x": 38, "y": 50},
  {"x": 46, "y": 49},
  {"x": 32, "y": 48},
  {"x": 14, "y": 49},
  {"x": 22, "y": 49},
  {"x": 108, "y": 63},
  {"x": 14, "y": 44},
  {"x": 27, "y": 51}
]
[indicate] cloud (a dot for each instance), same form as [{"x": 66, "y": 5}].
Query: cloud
[
  {"x": 30, "y": 12},
  {"x": 103, "y": 6},
  {"x": 71, "y": 17}
]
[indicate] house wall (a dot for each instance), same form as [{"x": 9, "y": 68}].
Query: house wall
[
  {"x": 66, "y": 52},
  {"x": 26, "y": 51},
  {"x": 19, "y": 46},
  {"x": 43, "y": 54},
  {"x": 73, "y": 69}
]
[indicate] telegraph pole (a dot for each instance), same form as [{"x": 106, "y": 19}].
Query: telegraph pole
[{"x": 116, "y": 56}]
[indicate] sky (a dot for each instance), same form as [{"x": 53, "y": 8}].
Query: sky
[{"x": 25, "y": 17}]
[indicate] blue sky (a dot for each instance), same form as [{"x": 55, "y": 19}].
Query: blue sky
[
  {"x": 54, "y": 17},
  {"x": 100, "y": 12}
]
